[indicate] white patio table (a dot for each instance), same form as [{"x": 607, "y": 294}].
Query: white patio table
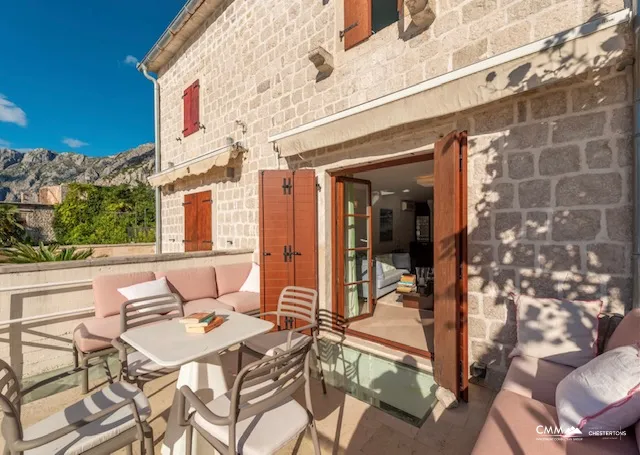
[{"x": 197, "y": 355}]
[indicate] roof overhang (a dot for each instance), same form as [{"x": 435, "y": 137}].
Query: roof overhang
[
  {"x": 196, "y": 166},
  {"x": 596, "y": 44},
  {"x": 192, "y": 15}
]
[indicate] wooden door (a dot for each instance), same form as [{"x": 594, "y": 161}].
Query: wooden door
[
  {"x": 190, "y": 205},
  {"x": 354, "y": 236},
  {"x": 450, "y": 237},
  {"x": 276, "y": 232},
  {"x": 204, "y": 202}
]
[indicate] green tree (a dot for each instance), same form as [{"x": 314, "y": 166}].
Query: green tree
[
  {"x": 11, "y": 228},
  {"x": 108, "y": 214}
]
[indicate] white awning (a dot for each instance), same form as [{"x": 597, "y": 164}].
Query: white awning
[
  {"x": 596, "y": 44},
  {"x": 196, "y": 166}
]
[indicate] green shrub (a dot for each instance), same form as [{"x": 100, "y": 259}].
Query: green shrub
[
  {"x": 21, "y": 253},
  {"x": 11, "y": 228}
]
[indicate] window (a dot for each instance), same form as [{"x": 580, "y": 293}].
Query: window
[
  {"x": 362, "y": 18},
  {"x": 197, "y": 221},
  {"x": 191, "y": 112}
]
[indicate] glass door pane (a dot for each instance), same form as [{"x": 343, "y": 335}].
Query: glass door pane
[{"x": 355, "y": 245}]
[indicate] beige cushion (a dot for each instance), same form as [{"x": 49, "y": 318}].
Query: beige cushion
[
  {"x": 208, "y": 304},
  {"x": 95, "y": 334},
  {"x": 627, "y": 332},
  {"x": 95, "y": 433},
  {"x": 267, "y": 343},
  {"x": 558, "y": 330},
  {"x": 264, "y": 433},
  {"x": 511, "y": 426},
  {"x": 229, "y": 278},
  {"x": 192, "y": 284},
  {"x": 535, "y": 378},
  {"x": 107, "y": 299},
  {"x": 242, "y": 302}
]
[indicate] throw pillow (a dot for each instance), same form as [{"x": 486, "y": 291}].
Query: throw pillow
[
  {"x": 147, "y": 289},
  {"x": 560, "y": 331},
  {"x": 386, "y": 263},
  {"x": 252, "y": 283},
  {"x": 603, "y": 395},
  {"x": 402, "y": 261}
]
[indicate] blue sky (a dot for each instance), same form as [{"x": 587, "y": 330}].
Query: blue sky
[{"x": 64, "y": 81}]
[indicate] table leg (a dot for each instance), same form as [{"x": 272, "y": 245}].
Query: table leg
[{"x": 206, "y": 378}]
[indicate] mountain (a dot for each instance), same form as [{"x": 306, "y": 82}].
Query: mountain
[{"x": 27, "y": 172}]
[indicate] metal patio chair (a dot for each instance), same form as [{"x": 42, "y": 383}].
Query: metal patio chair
[
  {"x": 135, "y": 367},
  {"x": 113, "y": 418},
  {"x": 297, "y": 303},
  {"x": 258, "y": 415}
]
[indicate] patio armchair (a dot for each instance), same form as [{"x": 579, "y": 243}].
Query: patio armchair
[
  {"x": 135, "y": 367},
  {"x": 299, "y": 304},
  {"x": 113, "y": 418},
  {"x": 258, "y": 415}
]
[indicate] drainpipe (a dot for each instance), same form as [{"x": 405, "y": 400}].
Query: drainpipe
[
  {"x": 636, "y": 155},
  {"x": 156, "y": 122}
]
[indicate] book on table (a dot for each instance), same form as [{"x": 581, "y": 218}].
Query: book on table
[
  {"x": 198, "y": 319},
  {"x": 207, "y": 327}
]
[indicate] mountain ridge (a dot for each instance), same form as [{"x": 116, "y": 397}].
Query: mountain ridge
[{"x": 26, "y": 172}]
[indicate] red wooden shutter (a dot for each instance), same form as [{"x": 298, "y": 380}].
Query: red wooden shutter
[
  {"x": 195, "y": 107},
  {"x": 204, "y": 221},
  {"x": 357, "y": 22},
  {"x": 190, "y": 222},
  {"x": 275, "y": 233},
  {"x": 449, "y": 251},
  {"x": 186, "y": 113}
]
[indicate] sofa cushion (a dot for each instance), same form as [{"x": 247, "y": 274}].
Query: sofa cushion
[
  {"x": 402, "y": 261},
  {"x": 192, "y": 283},
  {"x": 107, "y": 299},
  {"x": 205, "y": 305},
  {"x": 637, "y": 428},
  {"x": 558, "y": 330},
  {"x": 95, "y": 334},
  {"x": 627, "y": 332},
  {"x": 242, "y": 302},
  {"x": 513, "y": 425},
  {"x": 535, "y": 378},
  {"x": 229, "y": 278},
  {"x": 603, "y": 395}
]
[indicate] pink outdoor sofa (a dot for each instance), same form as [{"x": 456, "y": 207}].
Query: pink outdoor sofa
[
  {"x": 527, "y": 400},
  {"x": 200, "y": 289}
]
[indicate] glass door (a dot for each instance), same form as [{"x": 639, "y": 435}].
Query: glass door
[{"x": 356, "y": 275}]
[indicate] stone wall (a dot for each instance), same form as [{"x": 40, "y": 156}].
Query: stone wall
[
  {"x": 38, "y": 221},
  {"x": 251, "y": 59}
]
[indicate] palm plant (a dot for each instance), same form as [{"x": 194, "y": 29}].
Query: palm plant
[
  {"x": 22, "y": 253},
  {"x": 11, "y": 229}
]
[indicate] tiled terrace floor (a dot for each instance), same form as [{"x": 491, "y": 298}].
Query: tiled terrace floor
[{"x": 345, "y": 425}]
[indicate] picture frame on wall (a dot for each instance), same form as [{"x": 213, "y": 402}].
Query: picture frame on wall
[{"x": 386, "y": 225}]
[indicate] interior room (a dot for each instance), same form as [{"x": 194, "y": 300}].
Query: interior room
[{"x": 401, "y": 233}]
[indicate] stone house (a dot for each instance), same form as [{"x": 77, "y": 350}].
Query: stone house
[{"x": 540, "y": 93}]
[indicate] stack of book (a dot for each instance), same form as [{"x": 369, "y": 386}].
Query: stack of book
[
  {"x": 407, "y": 284},
  {"x": 201, "y": 322}
]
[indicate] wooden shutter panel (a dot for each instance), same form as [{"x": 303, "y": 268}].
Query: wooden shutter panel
[
  {"x": 204, "y": 220},
  {"x": 190, "y": 222},
  {"x": 275, "y": 214},
  {"x": 195, "y": 107},
  {"x": 186, "y": 112},
  {"x": 449, "y": 251},
  {"x": 356, "y": 12}
]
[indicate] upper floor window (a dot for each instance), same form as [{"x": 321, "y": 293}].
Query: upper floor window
[
  {"x": 362, "y": 18},
  {"x": 191, "y": 112}
]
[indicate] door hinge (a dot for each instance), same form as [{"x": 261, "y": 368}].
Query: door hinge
[
  {"x": 266, "y": 253},
  {"x": 210, "y": 201},
  {"x": 286, "y": 185},
  {"x": 349, "y": 28},
  {"x": 460, "y": 272},
  {"x": 460, "y": 161},
  {"x": 186, "y": 203}
]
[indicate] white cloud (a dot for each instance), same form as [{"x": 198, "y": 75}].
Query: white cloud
[
  {"x": 4, "y": 144},
  {"x": 11, "y": 113},
  {"x": 73, "y": 143},
  {"x": 131, "y": 60}
]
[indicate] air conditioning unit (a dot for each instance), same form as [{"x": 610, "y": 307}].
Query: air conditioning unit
[{"x": 408, "y": 206}]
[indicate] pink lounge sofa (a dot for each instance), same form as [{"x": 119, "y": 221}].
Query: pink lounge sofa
[
  {"x": 200, "y": 288},
  {"x": 527, "y": 400}
]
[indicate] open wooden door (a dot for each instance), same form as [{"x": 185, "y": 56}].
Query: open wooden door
[
  {"x": 354, "y": 236},
  {"x": 288, "y": 234},
  {"x": 450, "y": 263}
]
